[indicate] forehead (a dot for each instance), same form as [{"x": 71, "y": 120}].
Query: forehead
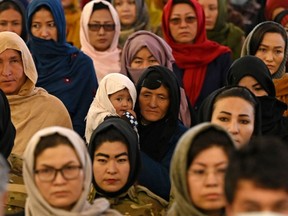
[
  {"x": 161, "y": 90},
  {"x": 10, "y": 53},
  {"x": 234, "y": 104},
  {"x": 182, "y": 8},
  {"x": 273, "y": 39},
  {"x": 112, "y": 147},
  {"x": 101, "y": 14}
]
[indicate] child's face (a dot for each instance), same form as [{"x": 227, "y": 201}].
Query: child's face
[{"x": 122, "y": 101}]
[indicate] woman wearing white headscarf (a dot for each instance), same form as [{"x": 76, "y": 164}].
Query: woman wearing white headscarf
[{"x": 50, "y": 140}]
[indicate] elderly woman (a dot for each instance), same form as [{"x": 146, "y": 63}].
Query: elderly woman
[{"x": 57, "y": 175}]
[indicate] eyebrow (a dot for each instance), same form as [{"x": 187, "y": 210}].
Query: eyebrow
[
  {"x": 217, "y": 164},
  {"x": 49, "y": 166},
  {"x": 273, "y": 47},
  {"x": 107, "y": 156},
  {"x": 227, "y": 113}
]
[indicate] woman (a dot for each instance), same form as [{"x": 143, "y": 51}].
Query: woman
[
  {"x": 134, "y": 16},
  {"x": 114, "y": 151},
  {"x": 203, "y": 63},
  {"x": 251, "y": 72},
  {"x": 143, "y": 49},
  {"x": 7, "y": 129},
  {"x": 268, "y": 41},
  {"x": 236, "y": 109},
  {"x": 217, "y": 27},
  {"x": 198, "y": 169},
  {"x": 57, "y": 175},
  {"x": 72, "y": 12},
  {"x": 99, "y": 34},
  {"x": 63, "y": 70},
  {"x": 12, "y": 18},
  {"x": 157, "y": 110}
]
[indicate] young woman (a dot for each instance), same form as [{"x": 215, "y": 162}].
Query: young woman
[
  {"x": 268, "y": 41},
  {"x": 236, "y": 109},
  {"x": 197, "y": 171},
  {"x": 133, "y": 15},
  {"x": 114, "y": 150},
  {"x": 217, "y": 27},
  {"x": 63, "y": 70},
  {"x": 57, "y": 175},
  {"x": 203, "y": 63},
  {"x": 143, "y": 49},
  {"x": 157, "y": 108},
  {"x": 251, "y": 72},
  {"x": 12, "y": 18},
  {"x": 99, "y": 35}
]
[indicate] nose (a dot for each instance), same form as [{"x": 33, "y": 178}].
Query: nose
[
  {"x": 211, "y": 179},
  {"x": 183, "y": 23},
  {"x": 145, "y": 64},
  {"x": 112, "y": 169},
  {"x": 101, "y": 30},
  {"x": 9, "y": 27},
  {"x": 153, "y": 102},
  {"x": 44, "y": 33},
  {"x": 269, "y": 56},
  {"x": 6, "y": 70},
  {"x": 233, "y": 127},
  {"x": 125, "y": 103},
  {"x": 59, "y": 179}
]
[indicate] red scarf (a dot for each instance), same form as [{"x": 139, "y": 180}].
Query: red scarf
[
  {"x": 271, "y": 5},
  {"x": 193, "y": 57}
]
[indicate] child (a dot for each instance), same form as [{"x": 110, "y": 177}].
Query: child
[{"x": 115, "y": 96}]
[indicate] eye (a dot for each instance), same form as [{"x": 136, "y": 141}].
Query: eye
[
  {"x": 190, "y": 19},
  {"x": 101, "y": 160},
  {"x": 244, "y": 121},
  {"x": 198, "y": 172},
  {"x": 52, "y": 24},
  {"x": 175, "y": 21},
  {"x": 223, "y": 119},
  {"x": 122, "y": 160},
  {"x": 35, "y": 25}
]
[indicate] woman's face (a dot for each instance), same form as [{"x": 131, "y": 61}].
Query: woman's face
[
  {"x": 271, "y": 51},
  {"x": 252, "y": 84},
  {"x": 60, "y": 192},
  {"x": 127, "y": 11},
  {"x": 111, "y": 166},
  {"x": 237, "y": 116},
  {"x": 153, "y": 104},
  {"x": 102, "y": 38},
  {"x": 143, "y": 59},
  {"x": 43, "y": 25},
  {"x": 210, "y": 8},
  {"x": 183, "y": 23},
  {"x": 11, "y": 20},
  {"x": 205, "y": 179}
]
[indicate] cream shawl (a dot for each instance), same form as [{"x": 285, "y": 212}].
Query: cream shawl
[
  {"x": 36, "y": 204},
  {"x": 32, "y": 108},
  {"x": 101, "y": 105},
  {"x": 107, "y": 61}
]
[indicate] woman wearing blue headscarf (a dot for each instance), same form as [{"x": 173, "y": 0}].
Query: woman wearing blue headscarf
[{"x": 63, "y": 70}]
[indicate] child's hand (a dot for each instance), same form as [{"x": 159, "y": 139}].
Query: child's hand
[{"x": 132, "y": 112}]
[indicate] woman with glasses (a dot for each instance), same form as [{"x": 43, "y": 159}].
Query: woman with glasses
[
  {"x": 197, "y": 171},
  {"x": 57, "y": 175},
  {"x": 99, "y": 34},
  {"x": 63, "y": 70},
  {"x": 203, "y": 63}
]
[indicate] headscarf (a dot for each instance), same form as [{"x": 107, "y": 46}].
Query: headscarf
[
  {"x": 154, "y": 137},
  {"x": 272, "y": 120},
  {"x": 251, "y": 66},
  {"x": 133, "y": 152},
  {"x": 22, "y": 12},
  {"x": 226, "y": 33},
  {"x": 162, "y": 52},
  {"x": 7, "y": 129},
  {"x": 35, "y": 203},
  {"x": 271, "y": 5},
  {"x": 207, "y": 107},
  {"x": 192, "y": 57},
  {"x": 101, "y": 106},
  {"x": 250, "y": 39},
  {"x": 141, "y": 23},
  {"x": 31, "y": 106},
  {"x": 107, "y": 61},
  {"x": 156, "y": 45},
  {"x": 63, "y": 70},
  {"x": 282, "y": 18},
  {"x": 182, "y": 204},
  {"x": 72, "y": 16}
]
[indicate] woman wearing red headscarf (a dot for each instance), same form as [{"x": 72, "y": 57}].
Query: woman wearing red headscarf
[{"x": 203, "y": 63}]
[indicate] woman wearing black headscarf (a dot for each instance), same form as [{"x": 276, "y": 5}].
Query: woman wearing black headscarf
[
  {"x": 7, "y": 129},
  {"x": 157, "y": 109},
  {"x": 251, "y": 72}
]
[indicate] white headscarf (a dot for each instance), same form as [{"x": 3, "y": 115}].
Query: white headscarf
[
  {"x": 108, "y": 61},
  {"x": 101, "y": 105},
  {"x": 36, "y": 204}
]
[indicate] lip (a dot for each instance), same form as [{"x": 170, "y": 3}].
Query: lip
[
  {"x": 212, "y": 196},
  {"x": 102, "y": 40},
  {"x": 60, "y": 193},
  {"x": 110, "y": 181}
]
